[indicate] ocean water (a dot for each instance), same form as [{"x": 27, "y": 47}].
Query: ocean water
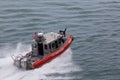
[{"x": 95, "y": 25}]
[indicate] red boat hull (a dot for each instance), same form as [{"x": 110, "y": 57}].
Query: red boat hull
[{"x": 53, "y": 55}]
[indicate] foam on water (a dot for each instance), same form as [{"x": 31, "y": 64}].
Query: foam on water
[{"x": 61, "y": 65}]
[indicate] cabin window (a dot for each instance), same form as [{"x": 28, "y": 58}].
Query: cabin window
[
  {"x": 56, "y": 44},
  {"x": 59, "y": 41},
  {"x": 53, "y": 45},
  {"x": 50, "y": 46},
  {"x": 46, "y": 47}
]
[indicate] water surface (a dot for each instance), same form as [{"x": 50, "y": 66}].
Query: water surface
[{"x": 95, "y": 24}]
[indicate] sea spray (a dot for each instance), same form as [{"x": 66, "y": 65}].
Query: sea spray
[{"x": 61, "y": 65}]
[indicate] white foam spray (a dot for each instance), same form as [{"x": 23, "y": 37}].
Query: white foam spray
[{"x": 61, "y": 65}]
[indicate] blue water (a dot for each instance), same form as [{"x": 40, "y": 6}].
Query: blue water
[{"x": 95, "y": 25}]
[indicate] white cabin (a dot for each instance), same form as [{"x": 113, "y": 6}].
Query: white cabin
[
  {"x": 52, "y": 42},
  {"x": 49, "y": 42}
]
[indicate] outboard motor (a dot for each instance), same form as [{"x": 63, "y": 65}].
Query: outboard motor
[{"x": 22, "y": 62}]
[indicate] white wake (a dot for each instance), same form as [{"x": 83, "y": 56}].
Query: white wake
[{"x": 61, "y": 65}]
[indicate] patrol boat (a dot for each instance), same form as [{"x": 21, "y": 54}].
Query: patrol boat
[{"x": 45, "y": 47}]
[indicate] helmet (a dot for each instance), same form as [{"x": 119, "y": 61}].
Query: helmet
[{"x": 40, "y": 34}]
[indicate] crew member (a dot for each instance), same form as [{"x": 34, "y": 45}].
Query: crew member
[{"x": 37, "y": 39}]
